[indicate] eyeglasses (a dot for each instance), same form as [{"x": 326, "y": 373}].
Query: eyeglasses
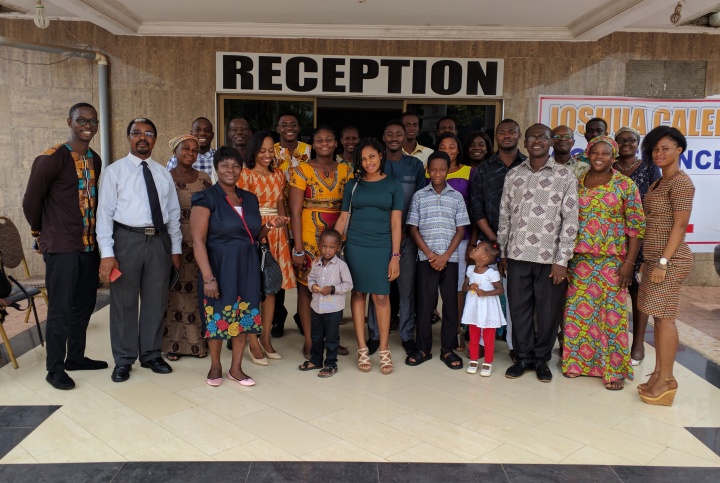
[
  {"x": 542, "y": 139},
  {"x": 147, "y": 134},
  {"x": 626, "y": 141},
  {"x": 291, "y": 125},
  {"x": 559, "y": 137},
  {"x": 84, "y": 122}
]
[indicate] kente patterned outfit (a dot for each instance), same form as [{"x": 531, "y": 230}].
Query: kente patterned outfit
[
  {"x": 183, "y": 328},
  {"x": 321, "y": 206},
  {"x": 269, "y": 191},
  {"x": 662, "y": 300},
  {"x": 235, "y": 261},
  {"x": 596, "y": 341}
]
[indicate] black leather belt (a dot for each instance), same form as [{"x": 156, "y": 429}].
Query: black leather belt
[{"x": 144, "y": 230}]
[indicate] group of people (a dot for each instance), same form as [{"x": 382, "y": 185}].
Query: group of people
[{"x": 542, "y": 245}]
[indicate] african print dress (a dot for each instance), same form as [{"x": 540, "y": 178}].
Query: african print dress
[
  {"x": 596, "y": 325},
  {"x": 321, "y": 206},
  {"x": 269, "y": 190},
  {"x": 182, "y": 333}
]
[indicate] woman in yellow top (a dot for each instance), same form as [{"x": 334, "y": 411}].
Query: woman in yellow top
[{"x": 316, "y": 194}]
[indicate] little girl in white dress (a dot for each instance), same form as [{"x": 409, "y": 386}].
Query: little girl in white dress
[{"x": 483, "y": 311}]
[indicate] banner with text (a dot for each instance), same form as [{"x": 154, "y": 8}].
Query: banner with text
[
  {"x": 336, "y": 75},
  {"x": 697, "y": 119}
]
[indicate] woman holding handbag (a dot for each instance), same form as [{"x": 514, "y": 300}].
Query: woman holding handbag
[
  {"x": 267, "y": 183},
  {"x": 372, "y": 248},
  {"x": 226, "y": 224}
]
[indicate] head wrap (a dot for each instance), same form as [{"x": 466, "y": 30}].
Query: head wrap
[
  {"x": 603, "y": 139},
  {"x": 628, "y": 129},
  {"x": 175, "y": 142}
]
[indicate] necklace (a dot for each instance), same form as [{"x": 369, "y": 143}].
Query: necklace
[{"x": 628, "y": 168}]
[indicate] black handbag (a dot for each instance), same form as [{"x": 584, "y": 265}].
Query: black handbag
[
  {"x": 271, "y": 275},
  {"x": 5, "y": 285}
]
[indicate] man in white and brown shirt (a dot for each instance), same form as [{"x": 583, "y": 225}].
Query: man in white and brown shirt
[{"x": 537, "y": 230}]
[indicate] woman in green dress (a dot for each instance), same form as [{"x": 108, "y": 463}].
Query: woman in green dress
[{"x": 372, "y": 213}]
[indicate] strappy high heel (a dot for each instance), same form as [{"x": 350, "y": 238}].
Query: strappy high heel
[
  {"x": 364, "y": 360},
  {"x": 663, "y": 399},
  {"x": 386, "y": 365},
  {"x": 645, "y": 385}
]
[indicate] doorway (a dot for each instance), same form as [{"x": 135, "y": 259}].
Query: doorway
[{"x": 368, "y": 115}]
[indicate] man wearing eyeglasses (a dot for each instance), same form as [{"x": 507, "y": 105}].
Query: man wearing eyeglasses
[
  {"x": 563, "y": 142},
  {"x": 290, "y": 151},
  {"x": 63, "y": 179},
  {"x": 536, "y": 235},
  {"x": 202, "y": 129},
  {"x": 138, "y": 229}
]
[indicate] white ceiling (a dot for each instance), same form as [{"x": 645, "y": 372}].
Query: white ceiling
[{"x": 377, "y": 19}]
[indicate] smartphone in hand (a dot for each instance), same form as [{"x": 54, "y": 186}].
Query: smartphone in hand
[{"x": 114, "y": 274}]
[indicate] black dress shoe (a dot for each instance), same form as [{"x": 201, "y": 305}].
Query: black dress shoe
[
  {"x": 543, "y": 372},
  {"x": 518, "y": 369},
  {"x": 86, "y": 364},
  {"x": 121, "y": 372},
  {"x": 277, "y": 330},
  {"x": 60, "y": 380},
  {"x": 157, "y": 365},
  {"x": 372, "y": 346}
]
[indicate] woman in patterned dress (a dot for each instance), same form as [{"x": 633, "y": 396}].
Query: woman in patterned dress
[
  {"x": 316, "y": 194},
  {"x": 668, "y": 260},
  {"x": 596, "y": 341},
  {"x": 643, "y": 172},
  {"x": 182, "y": 334},
  {"x": 267, "y": 183},
  {"x": 225, "y": 222}
]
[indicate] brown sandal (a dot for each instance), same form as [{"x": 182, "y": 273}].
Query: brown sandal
[
  {"x": 386, "y": 365},
  {"x": 645, "y": 385},
  {"x": 364, "y": 360}
]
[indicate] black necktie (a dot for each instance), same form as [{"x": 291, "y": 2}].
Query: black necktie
[{"x": 155, "y": 209}]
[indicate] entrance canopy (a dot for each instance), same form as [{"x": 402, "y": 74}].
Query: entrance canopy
[{"x": 377, "y": 19}]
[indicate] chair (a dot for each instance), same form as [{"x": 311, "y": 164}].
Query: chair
[
  {"x": 14, "y": 256},
  {"x": 18, "y": 293}
]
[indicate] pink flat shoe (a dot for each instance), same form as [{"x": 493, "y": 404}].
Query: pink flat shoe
[
  {"x": 215, "y": 381},
  {"x": 248, "y": 381}
]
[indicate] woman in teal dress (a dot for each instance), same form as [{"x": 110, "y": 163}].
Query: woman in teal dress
[
  {"x": 225, "y": 222},
  {"x": 372, "y": 204}
]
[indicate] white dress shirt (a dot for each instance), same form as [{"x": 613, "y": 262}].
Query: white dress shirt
[{"x": 123, "y": 198}]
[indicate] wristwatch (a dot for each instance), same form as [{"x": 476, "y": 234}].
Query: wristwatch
[{"x": 663, "y": 262}]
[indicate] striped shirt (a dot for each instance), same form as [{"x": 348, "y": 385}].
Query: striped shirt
[
  {"x": 437, "y": 217},
  {"x": 204, "y": 162}
]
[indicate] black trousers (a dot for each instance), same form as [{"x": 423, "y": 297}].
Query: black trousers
[
  {"x": 427, "y": 281},
  {"x": 72, "y": 281},
  {"x": 325, "y": 334},
  {"x": 533, "y": 300}
]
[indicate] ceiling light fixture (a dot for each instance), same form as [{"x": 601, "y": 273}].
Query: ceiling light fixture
[
  {"x": 675, "y": 17},
  {"x": 41, "y": 20}
]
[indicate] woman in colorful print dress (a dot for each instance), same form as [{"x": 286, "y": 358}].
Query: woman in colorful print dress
[
  {"x": 267, "y": 183},
  {"x": 226, "y": 223},
  {"x": 316, "y": 194},
  {"x": 612, "y": 222}
]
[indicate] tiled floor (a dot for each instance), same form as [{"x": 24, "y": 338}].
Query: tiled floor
[{"x": 418, "y": 414}]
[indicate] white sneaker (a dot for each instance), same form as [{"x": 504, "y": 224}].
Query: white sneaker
[
  {"x": 472, "y": 367},
  {"x": 486, "y": 370}
]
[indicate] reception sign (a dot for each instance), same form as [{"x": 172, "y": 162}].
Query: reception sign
[
  {"x": 351, "y": 76},
  {"x": 697, "y": 119}
]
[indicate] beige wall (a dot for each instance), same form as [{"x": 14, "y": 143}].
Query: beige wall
[{"x": 171, "y": 80}]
